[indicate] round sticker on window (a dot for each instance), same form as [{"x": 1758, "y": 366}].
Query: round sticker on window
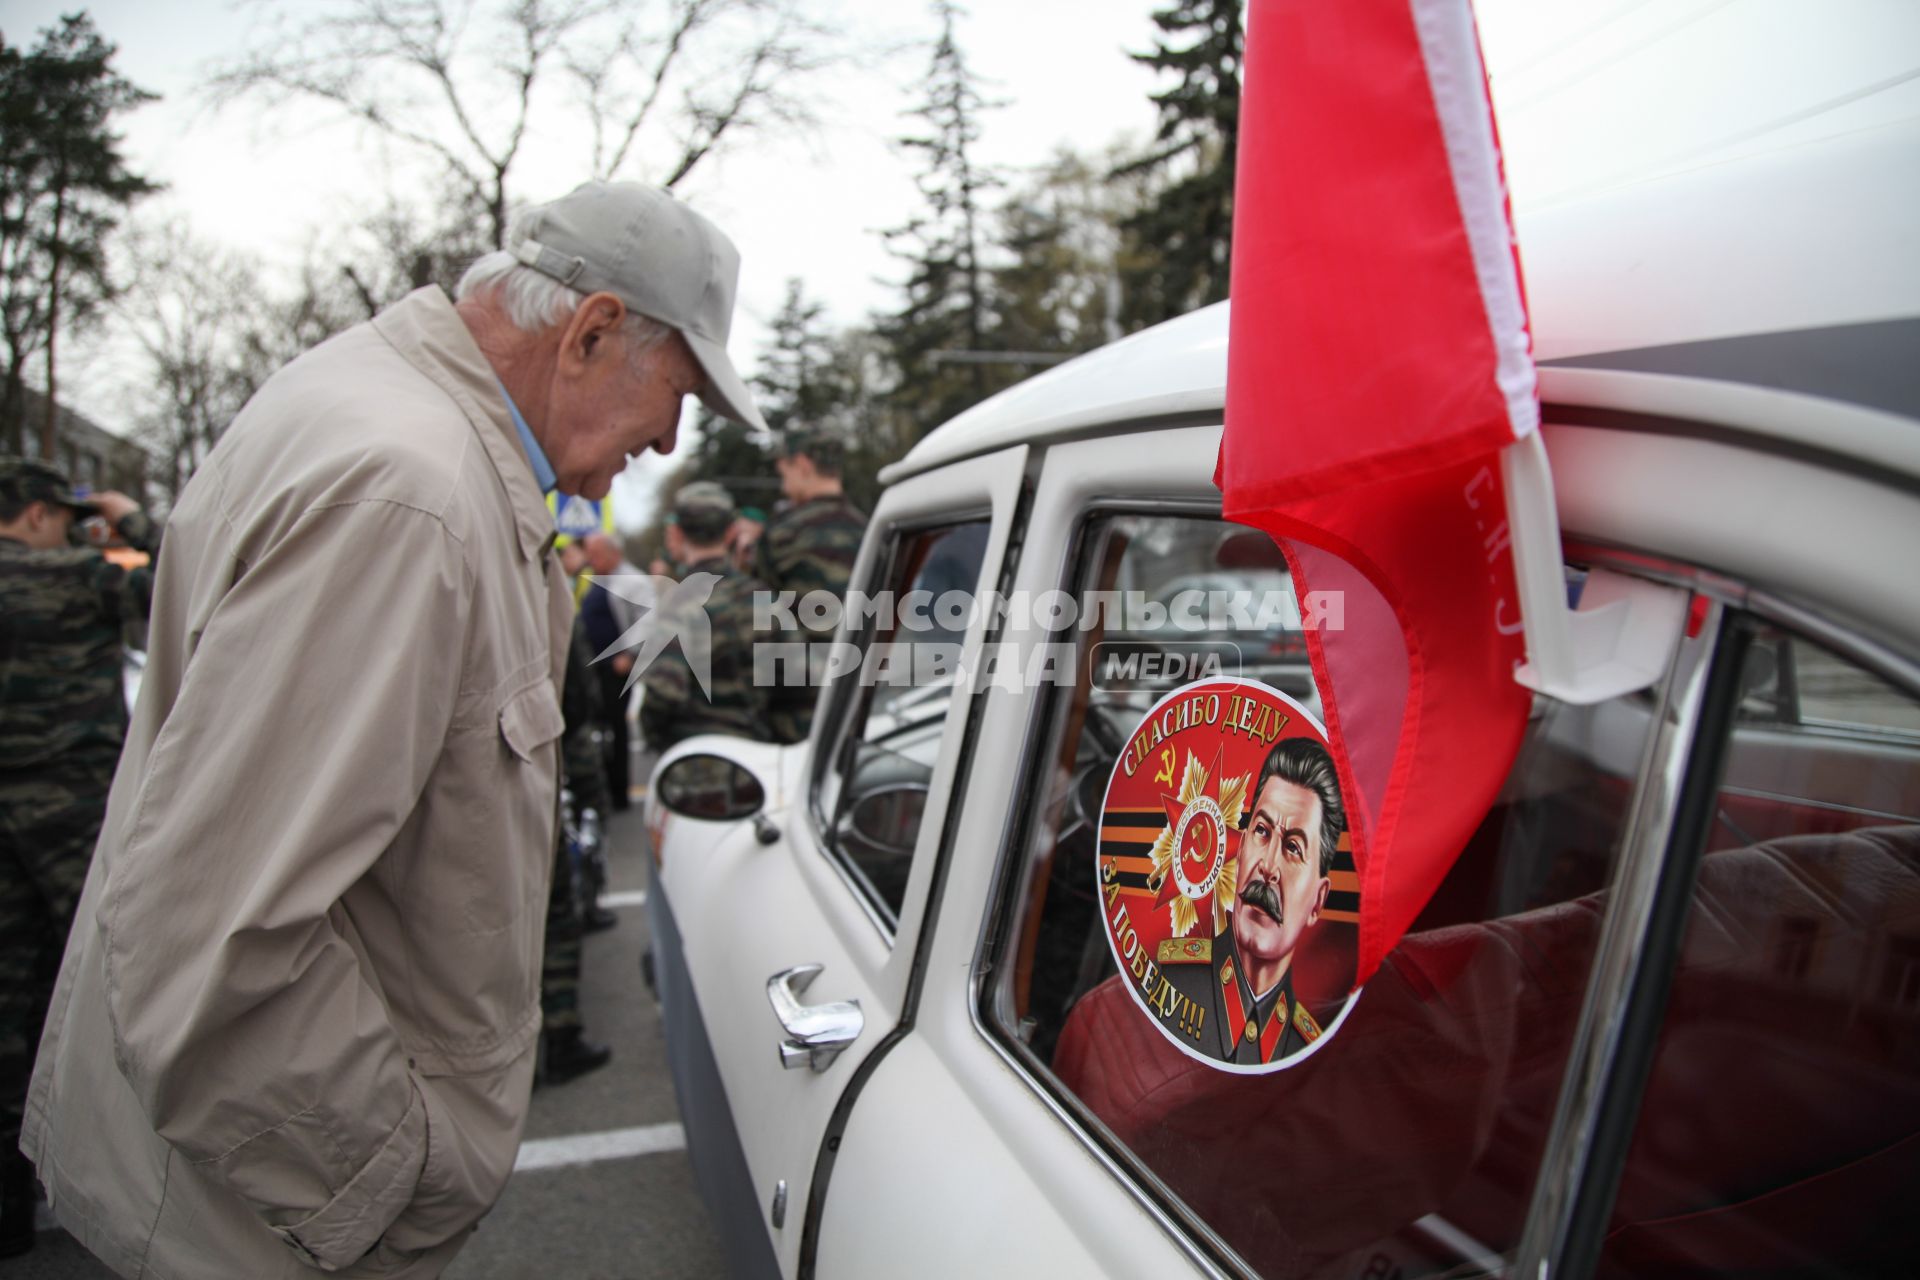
[{"x": 1225, "y": 877}]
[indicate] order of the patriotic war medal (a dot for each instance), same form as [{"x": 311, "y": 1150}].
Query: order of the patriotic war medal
[{"x": 1225, "y": 876}]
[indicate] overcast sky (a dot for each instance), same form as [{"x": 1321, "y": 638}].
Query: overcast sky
[
  {"x": 808, "y": 204},
  {"x": 1589, "y": 93}
]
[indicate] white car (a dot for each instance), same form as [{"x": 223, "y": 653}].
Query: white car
[{"x": 1663, "y": 1016}]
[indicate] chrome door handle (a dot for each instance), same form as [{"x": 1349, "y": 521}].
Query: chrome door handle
[{"x": 816, "y": 1033}]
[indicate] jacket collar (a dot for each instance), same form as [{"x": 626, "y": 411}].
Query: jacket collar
[{"x": 425, "y": 329}]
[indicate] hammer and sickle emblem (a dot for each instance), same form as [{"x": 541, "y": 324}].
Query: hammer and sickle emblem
[{"x": 1165, "y": 776}]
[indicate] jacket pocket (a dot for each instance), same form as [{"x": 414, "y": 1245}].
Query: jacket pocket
[{"x": 530, "y": 719}]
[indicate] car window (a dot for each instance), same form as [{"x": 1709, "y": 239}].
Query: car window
[
  {"x": 906, "y": 638},
  {"x": 1780, "y": 1126},
  {"x": 1791, "y": 681},
  {"x": 1186, "y": 598},
  {"x": 1407, "y": 1142}
]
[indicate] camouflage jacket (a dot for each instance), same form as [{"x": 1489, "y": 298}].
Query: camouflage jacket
[
  {"x": 674, "y": 706},
  {"x": 809, "y": 547},
  {"x": 63, "y": 620}
]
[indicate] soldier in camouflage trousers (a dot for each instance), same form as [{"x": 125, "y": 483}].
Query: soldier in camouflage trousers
[
  {"x": 64, "y": 611},
  {"x": 809, "y": 546},
  {"x": 674, "y": 707},
  {"x": 565, "y": 1051}
]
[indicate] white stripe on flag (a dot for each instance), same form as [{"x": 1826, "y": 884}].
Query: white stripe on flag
[
  {"x": 590, "y": 1148},
  {"x": 1451, "y": 50}
]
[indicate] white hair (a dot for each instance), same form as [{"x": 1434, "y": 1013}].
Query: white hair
[{"x": 534, "y": 302}]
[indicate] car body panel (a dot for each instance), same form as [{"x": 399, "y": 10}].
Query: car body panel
[
  {"x": 967, "y": 1198},
  {"x": 713, "y": 1141}
]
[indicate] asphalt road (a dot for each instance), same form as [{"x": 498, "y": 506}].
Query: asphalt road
[{"x": 594, "y": 1211}]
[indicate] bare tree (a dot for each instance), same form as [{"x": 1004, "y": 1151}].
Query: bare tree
[
  {"x": 463, "y": 85},
  {"x": 196, "y": 315},
  {"x": 402, "y": 246}
]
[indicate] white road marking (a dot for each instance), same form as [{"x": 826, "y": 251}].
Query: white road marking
[
  {"x": 631, "y": 898},
  {"x": 590, "y": 1148}
]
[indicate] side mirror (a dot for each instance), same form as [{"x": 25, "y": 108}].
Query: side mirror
[
  {"x": 711, "y": 788},
  {"x": 888, "y": 818}
]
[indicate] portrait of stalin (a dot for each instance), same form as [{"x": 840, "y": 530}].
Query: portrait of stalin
[{"x": 1244, "y": 977}]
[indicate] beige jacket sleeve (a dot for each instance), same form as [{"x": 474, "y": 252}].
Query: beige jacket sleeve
[{"x": 310, "y": 714}]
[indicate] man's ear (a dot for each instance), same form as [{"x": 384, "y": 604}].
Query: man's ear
[
  {"x": 594, "y": 323},
  {"x": 1319, "y": 900}
]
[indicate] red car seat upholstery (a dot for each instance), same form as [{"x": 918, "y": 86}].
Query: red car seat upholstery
[{"x": 1779, "y": 1122}]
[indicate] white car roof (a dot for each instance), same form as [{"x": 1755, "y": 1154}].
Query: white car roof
[{"x": 1795, "y": 269}]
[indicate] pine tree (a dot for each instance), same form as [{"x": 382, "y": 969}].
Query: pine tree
[
  {"x": 1179, "y": 242},
  {"x": 798, "y": 384},
  {"x": 63, "y": 188},
  {"x": 946, "y": 312},
  {"x": 733, "y": 455}
]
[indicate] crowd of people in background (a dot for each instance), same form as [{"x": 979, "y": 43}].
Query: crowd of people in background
[{"x": 808, "y": 544}]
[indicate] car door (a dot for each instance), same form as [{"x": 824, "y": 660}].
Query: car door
[
  {"x": 950, "y": 1161},
  {"x": 803, "y": 906}
]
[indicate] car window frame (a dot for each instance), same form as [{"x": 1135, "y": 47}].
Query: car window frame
[
  {"x": 990, "y": 487},
  {"x": 999, "y": 927},
  {"x": 1568, "y": 1220}
]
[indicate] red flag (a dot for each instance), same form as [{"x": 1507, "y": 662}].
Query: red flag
[{"x": 1378, "y": 362}]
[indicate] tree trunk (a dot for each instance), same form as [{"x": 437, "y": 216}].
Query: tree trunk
[
  {"x": 13, "y": 412},
  {"x": 50, "y": 427},
  {"x": 497, "y": 210}
]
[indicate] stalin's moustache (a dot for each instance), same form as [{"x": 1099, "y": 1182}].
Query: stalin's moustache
[{"x": 1263, "y": 895}]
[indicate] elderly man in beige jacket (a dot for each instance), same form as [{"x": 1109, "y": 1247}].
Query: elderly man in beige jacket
[{"x": 295, "y": 1025}]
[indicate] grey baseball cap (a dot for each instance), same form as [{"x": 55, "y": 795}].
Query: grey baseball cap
[{"x": 662, "y": 259}]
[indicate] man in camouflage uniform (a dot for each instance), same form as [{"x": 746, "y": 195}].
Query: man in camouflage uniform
[
  {"x": 808, "y": 546},
  {"x": 674, "y": 706},
  {"x": 63, "y": 716}
]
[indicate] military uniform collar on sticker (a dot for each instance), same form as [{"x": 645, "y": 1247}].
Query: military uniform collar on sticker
[{"x": 1255, "y": 1027}]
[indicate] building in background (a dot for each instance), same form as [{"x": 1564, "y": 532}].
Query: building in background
[{"x": 90, "y": 454}]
